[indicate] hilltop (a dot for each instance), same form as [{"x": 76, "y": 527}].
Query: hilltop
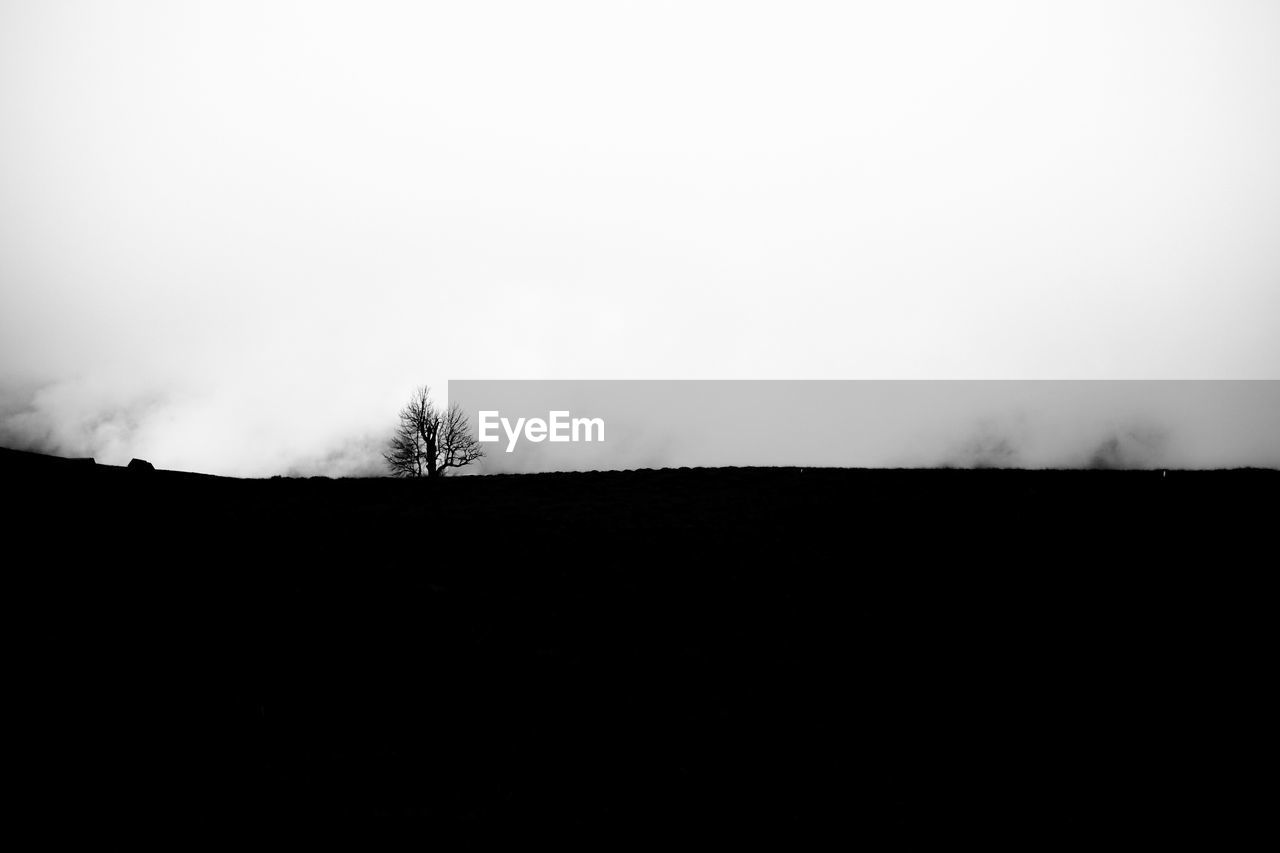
[{"x": 879, "y": 654}]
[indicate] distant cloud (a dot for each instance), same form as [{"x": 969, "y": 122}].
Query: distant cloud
[
  {"x": 356, "y": 457},
  {"x": 79, "y": 418},
  {"x": 1014, "y": 444}
]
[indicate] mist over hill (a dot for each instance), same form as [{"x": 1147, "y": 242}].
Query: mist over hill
[{"x": 993, "y": 573}]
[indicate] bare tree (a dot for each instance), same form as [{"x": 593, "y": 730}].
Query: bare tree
[{"x": 429, "y": 440}]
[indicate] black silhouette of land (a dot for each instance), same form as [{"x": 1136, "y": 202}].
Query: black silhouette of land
[{"x": 879, "y": 657}]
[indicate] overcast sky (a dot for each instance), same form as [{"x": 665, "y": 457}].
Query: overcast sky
[{"x": 234, "y": 235}]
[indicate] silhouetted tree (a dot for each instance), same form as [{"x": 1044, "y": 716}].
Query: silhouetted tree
[{"x": 429, "y": 440}]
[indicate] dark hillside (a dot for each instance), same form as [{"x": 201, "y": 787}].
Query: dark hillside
[{"x": 883, "y": 656}]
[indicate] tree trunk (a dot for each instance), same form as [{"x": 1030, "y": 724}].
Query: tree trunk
[{"x": 432, "y": 470}]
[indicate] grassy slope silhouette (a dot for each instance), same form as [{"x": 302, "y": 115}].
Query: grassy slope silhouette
[{"x": 883, "y": 655}]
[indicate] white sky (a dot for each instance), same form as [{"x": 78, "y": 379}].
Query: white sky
[{"x": 233, "y": 235}]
